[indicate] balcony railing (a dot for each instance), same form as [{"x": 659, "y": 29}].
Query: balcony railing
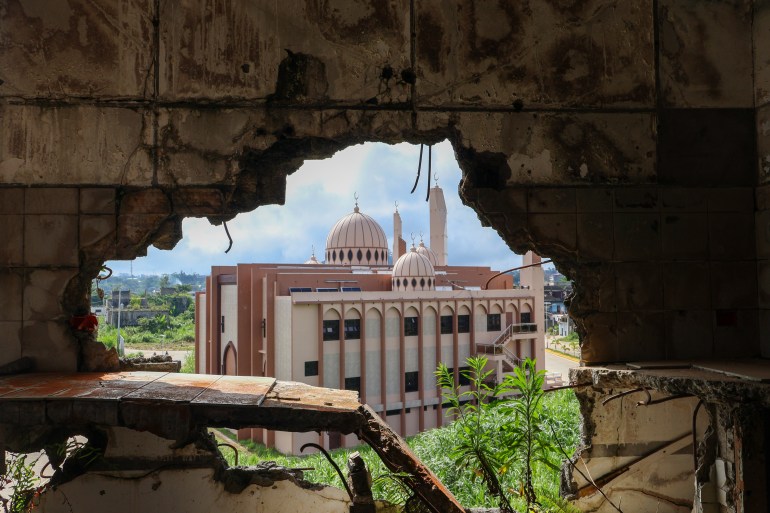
[{"x": 512, "y": 329}]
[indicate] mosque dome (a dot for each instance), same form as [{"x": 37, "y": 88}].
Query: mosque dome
[
  {"x": 413, "y": 271},
  {"x": 312, "y": 260},
  {"x": 428, "y": 253},
  {"x": 357, "y": 239}
]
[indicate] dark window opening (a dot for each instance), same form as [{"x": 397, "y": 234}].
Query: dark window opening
[
  {"x": 292, "y": 290},
  {"x": 351, "y": 289},
  {"x": 332, "y": 330},
  {"x": 353, "y": 384},
  {"x": 410, "y": 326},
  {"x": 350, "y": 256},
  {"x": 325, "y": 289},
  {"x": 493, "y": 322},
  {"x": 311, "y": 368},
  {"x": 464, "y": 379},
  {"x": 463, "y": 324},
  {"x": 360, "y": 255},
  {"x": 411, "y": 381},
  {"x": 397, "y": 411},
  {"x": 526, "y": 317},
  {"x": 447, "y": 324},
  {"x": 222, "y": 324},
  {"x": 352, "y": 329}
]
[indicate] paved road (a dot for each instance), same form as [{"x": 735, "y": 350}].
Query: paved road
[{"x": 556, "y": 363}]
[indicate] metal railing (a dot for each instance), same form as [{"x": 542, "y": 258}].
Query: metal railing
[{"x": 512, "y": 329}]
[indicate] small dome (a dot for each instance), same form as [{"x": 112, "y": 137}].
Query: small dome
[
  {"x": 357, "y": 239},
  {"x": 413, "y": 271},
  {"x": 312, "y": 260},
  {"x": 428, "y": 253}
]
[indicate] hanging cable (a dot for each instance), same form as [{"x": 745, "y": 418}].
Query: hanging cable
[
  {"x": 430, "y": 152},
  {"x": 230, "y": 246}
]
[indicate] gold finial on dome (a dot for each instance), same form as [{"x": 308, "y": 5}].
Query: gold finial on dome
[{"x": 355, "y": 197}]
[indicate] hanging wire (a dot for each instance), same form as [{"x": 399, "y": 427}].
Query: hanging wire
[
  {"x": 430, "y": 152},
  {"x": 229, "y": 246},
  {"x": 419, "y": 167}
]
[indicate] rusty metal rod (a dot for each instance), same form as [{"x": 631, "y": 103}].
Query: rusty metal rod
[
  {"x": 334, "y": 464},
  {"x": 571, "y": 385},
  {"x": 623, "y": 394},
  {"x": 515, "y": 269},
  {"x": 231, "y": 446}
]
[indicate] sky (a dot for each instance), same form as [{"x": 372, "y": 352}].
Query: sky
[{"x": 318, "y": 194}]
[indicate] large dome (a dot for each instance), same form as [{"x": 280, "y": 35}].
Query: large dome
[
  {"x": 413, "y": 271},
  {"x": 357, "y": 239}
]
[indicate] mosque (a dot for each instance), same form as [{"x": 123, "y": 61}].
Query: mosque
[{"x": 356, "y": 322}]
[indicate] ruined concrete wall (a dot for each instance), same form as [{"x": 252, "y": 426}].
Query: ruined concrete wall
[
  {"x": 617, "y": 137},
  {"x": 762, "y": 103}
]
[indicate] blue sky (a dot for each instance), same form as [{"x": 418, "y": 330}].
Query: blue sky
[{"x": 320, "y": 193}]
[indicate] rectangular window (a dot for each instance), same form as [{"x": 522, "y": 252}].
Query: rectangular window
[
  {"x": 311, "y": 368},
  {"x": 463, "y": 324},
  {"x": 397, "y": 411},
  {"x": 464, "y": 380},
  {"x": 299, "y": 289},
  {"x": 353, "y": 384},
  {"x": 223, "y": 324},
  {"x": 526, "y": 317},
  {"x": 352, "y": 329},
  {"x": 351, "y": 289},
  {"x": 411, "y": 381},
  {"x": 410, "y": 326},
  {"x": 447, "y": 324},
  {"x": 493, "y": 322},
  {"x": 332, "y": 330},
  {"x": 325, "y": 289}
]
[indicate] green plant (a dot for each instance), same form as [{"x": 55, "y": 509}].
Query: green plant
[
  {"x": 475, "y": 448},
  {"x": 188, "y": 365},
  {"x": 526, "y": 438},
  {"x": 21, "y": 478}
]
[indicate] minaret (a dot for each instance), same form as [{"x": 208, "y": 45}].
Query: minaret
[
  {"x": 438, "y": 235},
  {"x": 399, "y": 245}
]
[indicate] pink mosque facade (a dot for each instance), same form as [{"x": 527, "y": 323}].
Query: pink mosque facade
[{"x": 356, "y": 322}]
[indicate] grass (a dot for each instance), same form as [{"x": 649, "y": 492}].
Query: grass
[{"x": 433, "y": 448}]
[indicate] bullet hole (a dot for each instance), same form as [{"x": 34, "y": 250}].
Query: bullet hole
[
  {"x": 518, "y": 104},
  {"x": 387, "y": 72},
  {"x": 245, "y": 67},
  {"x": 102, "y": 492},
  {"x": 373, "y": 101},
  {"x": 2, "y": 81},
  {"x": 409, "y": 76}
]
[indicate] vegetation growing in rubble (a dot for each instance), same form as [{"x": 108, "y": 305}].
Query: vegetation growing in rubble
[
  {"x": 437, "y": 448},
  {"x": 173, "y": 331}
]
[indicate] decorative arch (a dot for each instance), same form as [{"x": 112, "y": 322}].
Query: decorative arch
[
  {"x": 446, "y": 310},
  {"x": 230, "y": 360},
  {"x": 411, "y": 312},
  {"x": 496, "y": 308},
  {"x": 463, "y": 310},
  {"x": 481, "y": 309},
  {"x": 352, "y": 313},
  {"x": 331, "y": 314},
  {"x": 373, "y": 309}
]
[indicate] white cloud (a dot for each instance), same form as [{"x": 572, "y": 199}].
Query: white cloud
[{"x": 320, "y": 193}]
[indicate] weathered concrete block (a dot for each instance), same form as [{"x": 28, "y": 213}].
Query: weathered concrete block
[
  {"x": 706, "y": 53},
  {"x": 639, "y": 286},
  {"x": 763, "y": 279},
  {"x": 707, "y": 147},
  {"x": 145, "y": 201},
  {"x": 689, "y": 334},
  {"x": 593, "y": 199},
  {"x": 637, "y": 199},
  {"x": 12, "y": 235},
  {"x": 291, "y": 52},
  {"x": 553, "y": 54},
  {"x": 10, "y": 341},
  {"x": 551, "y": 200},
  {"x": 51, "y": 345},
  {"x": 11, "y": 285},
  {"x": 641, "y": 336},
  {"x": 97, "y": 201},
  {"x": 94, "y": 229},
  {"x": 51, "y": 200},
  {"x": 762, "y": 220},
  {"x": 73, "y": 145},
  {"x": 685, "y": 236},
  {"x": 600, "y": 343},
  {"x": 764, "y": 332},
  {"x": 637, "y": 236},
  {"x": 761, "y": 35},
  {"x": 77, "y": 48},
  {"x": 557, "y": 229},
  {"x": 11, "y": 200},
  {"x": 134, "y": 232},
  {"x": 51, "y": 239},
  {"x": 734, "y": 284},
  {"x": 731, "y": 235},
  {"x": 684, "y": 199},
  {"x": 739, "y": 339},
  {"x": 731, "y": 199},
  {"x": 594, "y": 236},
  {"x": 763, "y": 144},
  {"x": 686, "y": 285},
  {"x": 509, "y": 200},
  {"x": 43, "y": 293},
  {"x": 197, "y": 202}
]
